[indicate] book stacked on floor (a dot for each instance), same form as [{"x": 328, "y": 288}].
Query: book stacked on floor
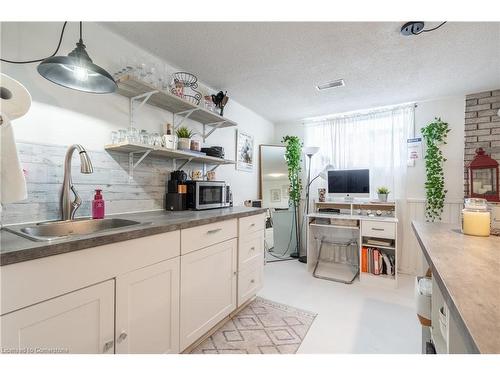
[{"x": 377, "y": 262}]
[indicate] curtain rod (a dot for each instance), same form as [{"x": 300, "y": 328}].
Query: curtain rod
[{"x": 353, "y": 114}]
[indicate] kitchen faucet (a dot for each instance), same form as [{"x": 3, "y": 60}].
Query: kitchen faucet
[{"x": 68, "y": 208}]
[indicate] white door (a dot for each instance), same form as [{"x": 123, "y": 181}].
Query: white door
[
  {"x": 147, "y": 309},
  {"x": 208, "y": 289},
  {"x": 77, "y": 322}
]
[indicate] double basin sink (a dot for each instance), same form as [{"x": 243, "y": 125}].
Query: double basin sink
[{"x": 54, "y": 230}]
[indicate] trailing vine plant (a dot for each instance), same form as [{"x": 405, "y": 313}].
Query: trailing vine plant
[
  {"x": 293, "y": 152},
  {"x": 434, "y": 135}
]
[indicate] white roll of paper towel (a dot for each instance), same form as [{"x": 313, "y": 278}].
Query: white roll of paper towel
[{"x": 15, "y": 101}]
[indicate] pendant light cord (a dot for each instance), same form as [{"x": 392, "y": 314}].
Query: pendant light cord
[
  {"x": 428, "y": 30},
  {"x": 55, "y": 52}
]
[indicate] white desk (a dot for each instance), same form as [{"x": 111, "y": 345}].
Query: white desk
[{"x": 383, "y": 227}]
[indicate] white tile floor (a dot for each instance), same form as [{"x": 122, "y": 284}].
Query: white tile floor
[{"x": 351, "y": 318}]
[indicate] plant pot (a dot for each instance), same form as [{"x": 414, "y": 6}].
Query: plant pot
[
  {"x": 382, "y": 197},
  {"x": 184, "y": 144}
]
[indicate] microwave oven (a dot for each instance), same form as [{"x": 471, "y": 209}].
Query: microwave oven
[{"x": 203, "y": 195}]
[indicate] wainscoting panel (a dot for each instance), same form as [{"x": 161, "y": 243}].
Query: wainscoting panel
[{"x": 410, "y": 256}]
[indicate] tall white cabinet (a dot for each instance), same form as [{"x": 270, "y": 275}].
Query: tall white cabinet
[
  {"x": 147, "y": 309},
  {"x": 80, "y": 322}
]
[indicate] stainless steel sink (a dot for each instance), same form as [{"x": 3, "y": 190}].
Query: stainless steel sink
[{"x": 54, "y": 230}]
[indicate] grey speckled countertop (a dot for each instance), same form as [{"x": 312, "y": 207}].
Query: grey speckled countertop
[
  {"x": 15, "y": 249},
  {"x": 467, "y": 270}
]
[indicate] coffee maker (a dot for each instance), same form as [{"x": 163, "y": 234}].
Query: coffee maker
[{"x": 175, "y": 199}]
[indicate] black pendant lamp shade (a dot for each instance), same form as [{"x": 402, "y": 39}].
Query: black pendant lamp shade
[{"x": 77, "y": 71}]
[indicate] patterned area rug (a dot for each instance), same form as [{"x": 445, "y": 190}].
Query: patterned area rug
[{"x": 263, "y": 327}]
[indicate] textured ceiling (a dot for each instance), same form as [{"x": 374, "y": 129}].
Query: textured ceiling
[{"x": 273, "y": 68}]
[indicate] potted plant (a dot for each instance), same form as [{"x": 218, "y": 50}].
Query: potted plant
[
  {"x": 293, "y": 152},
  {"x": 184, "y": 138},
  {"x": 383, "y": 192}
]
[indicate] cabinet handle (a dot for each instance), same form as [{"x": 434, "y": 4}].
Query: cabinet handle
[
  {"x": 108, "y": 346},
  {"x": 252, "y": 248},
  {"x": 252, "y": 225},
  {"x": 252, "y": 281},
  {"x": 212, "y": 231},
  {"x": 122, "y": 337},
  {"x": 234, "y": 273},
  {"x": 378, "y": 229}
]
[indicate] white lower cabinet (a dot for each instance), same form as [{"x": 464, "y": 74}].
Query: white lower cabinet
[
  {"x": 147, "y": 309},
  {"x": 208, "y": 289},
  {"x": 77, "y": 322}
]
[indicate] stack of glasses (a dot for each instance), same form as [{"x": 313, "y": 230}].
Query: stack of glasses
[{"x": 133, "y": 136}]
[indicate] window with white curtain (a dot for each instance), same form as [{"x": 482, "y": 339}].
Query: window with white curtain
[{"x": 374, "y": 140}]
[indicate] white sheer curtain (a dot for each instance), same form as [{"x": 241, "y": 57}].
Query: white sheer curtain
[{"x": 374, "y": 140}]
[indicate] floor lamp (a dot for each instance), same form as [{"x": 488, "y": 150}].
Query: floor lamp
[{"x": 309, "y": 152}]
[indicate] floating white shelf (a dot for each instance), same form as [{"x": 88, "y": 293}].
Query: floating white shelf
[
  {"x": 184, "y": 156},
  {"x": 182, "y": 109}
]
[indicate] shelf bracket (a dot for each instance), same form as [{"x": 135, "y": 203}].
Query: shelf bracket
[
  {"x": 143, "y": 98},
  {"x": 184, "y": 115},
  {"x": 132, "y": 165},
  {"x": 215, "y": 167},
  {"x": 186, "y": 162},
  {"x": 215, "y": 126}
]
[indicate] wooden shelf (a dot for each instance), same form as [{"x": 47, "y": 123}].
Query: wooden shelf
[
  {"x": 131, "y": 87},
  {"x": 167, "y": 153}
]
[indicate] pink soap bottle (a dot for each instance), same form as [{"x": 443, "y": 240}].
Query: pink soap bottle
[{"x": 98, "y": 205}]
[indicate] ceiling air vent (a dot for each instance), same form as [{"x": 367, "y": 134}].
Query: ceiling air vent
[{"x": 331, "y": 84}]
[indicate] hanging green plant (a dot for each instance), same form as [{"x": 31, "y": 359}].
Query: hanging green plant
[
  {"x": 293, "y": 153},
  {"x": 435, "y": 135}
]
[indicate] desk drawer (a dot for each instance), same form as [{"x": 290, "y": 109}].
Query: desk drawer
[
  {"x": 206, "y": 235},
  {"x": 250, "y": 247},
  {"x": 251, "y": 224},
  {"x": 379, "y": 229}
]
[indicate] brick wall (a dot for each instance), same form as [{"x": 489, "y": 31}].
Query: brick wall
[{"x": 482, "y": 126}]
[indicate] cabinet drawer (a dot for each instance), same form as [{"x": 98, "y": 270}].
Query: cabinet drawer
[
  {"x": 378, "y": 229},
  {"x": 205, "y": 235},
  {"x": 251, "y": 224},
  {"x": 249, "y": 247},
  {"x": 250, "y": 280}
]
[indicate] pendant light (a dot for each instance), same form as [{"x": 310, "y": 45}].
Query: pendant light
[{"x": 77, "y": 71}]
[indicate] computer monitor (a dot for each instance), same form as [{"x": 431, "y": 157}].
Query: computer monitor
[{"x": 349, "y": 183}]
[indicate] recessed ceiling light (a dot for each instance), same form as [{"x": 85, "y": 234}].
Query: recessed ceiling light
[{"x": 331, "y": 84}]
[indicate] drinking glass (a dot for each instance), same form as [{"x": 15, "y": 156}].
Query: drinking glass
[
  {"x": 122, "y": 135},
  {"x": 155, "y": 139},
  {"x": 144, "y": 137},
  {"x": 132, "y": 135},
  {"x": 114, "y": 137}
]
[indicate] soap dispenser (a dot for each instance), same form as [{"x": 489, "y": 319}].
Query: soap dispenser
[{"x": 98, "y": 205}]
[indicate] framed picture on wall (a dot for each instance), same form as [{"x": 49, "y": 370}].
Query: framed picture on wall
[
  {"x": 275, "y": 195},
  {"x": 244, "y": 151}
]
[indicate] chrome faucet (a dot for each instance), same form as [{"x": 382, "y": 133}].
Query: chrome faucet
[{"x": 68, "y": 208}]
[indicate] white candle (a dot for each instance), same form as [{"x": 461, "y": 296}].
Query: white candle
[{"x": 476, "y": 223}]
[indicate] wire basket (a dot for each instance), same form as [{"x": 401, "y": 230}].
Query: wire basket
[
  {"x": 192, "y": 96},
  {"x": 187, "y": 79}
]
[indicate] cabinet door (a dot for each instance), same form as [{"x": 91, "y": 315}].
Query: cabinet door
[
  {"x": 147, "y": 309},
  {"x": 77, "y": 322},
  {"x": 208, "y": 289}
]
